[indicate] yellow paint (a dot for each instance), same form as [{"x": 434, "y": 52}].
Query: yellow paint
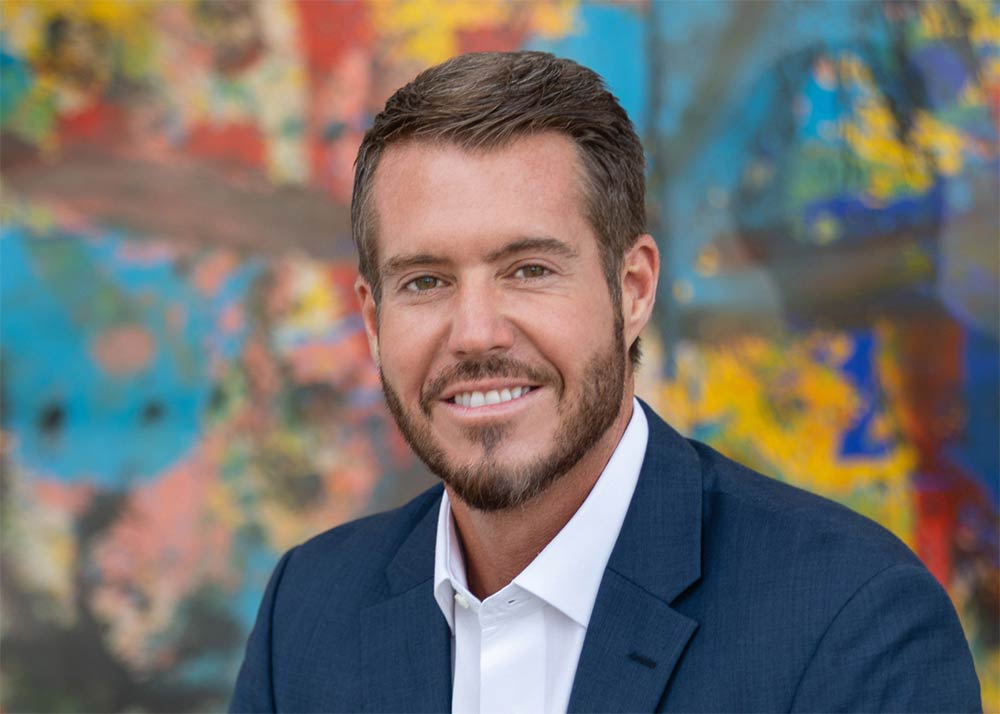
[
  {"x": 315, "y": 304},
  {"x": 893, "y": 167},
  {"x": 777, "y": 407},
  {"x": 427, "y": 31},
  {"x": 683, "y": 291},
  {"x": 220, "y": 502},
  {"x": 708, "y": 261},
  {"x": 989, "y": 679},
  {"x": 826, "y": 229},
  {"x": 933, "y": 147},
  {"x": 944, "y": 142},
  {"x": 937, "y": 21},
  {"x": 984, "y": 28},
  {"x": 27, "y": 20},
  {"x": 43, "y": 548}
]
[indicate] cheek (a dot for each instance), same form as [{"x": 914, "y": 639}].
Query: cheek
[
  {"x": 565, "y": 331},
  {"x": 406, "y": 348}
]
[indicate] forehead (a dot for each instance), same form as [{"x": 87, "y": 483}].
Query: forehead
[{"x": 426, "y": 192}]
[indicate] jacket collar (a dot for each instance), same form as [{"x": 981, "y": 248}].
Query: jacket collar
[
  {"x": 635, "y": 638},
  {"x": 414, "y": 561},
  {"x": 659, "y": 547}
]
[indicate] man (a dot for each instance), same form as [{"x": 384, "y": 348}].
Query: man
[{"x": 581, "y": 554}]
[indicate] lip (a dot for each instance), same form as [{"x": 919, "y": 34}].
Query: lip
[
  {"x": 485, "y": 386},
  {"x": 491, "y": 410}
]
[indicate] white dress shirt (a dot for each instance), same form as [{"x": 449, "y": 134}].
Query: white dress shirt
[{"x": 517, "y": 650}]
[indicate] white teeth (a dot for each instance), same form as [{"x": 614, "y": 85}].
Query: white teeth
[{"x": 493, "y": 396}]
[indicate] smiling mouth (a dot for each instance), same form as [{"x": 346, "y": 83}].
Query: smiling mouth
[{"x": 475, "y": 400}]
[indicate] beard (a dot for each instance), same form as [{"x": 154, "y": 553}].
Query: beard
[{"x": 485, "y": 484}]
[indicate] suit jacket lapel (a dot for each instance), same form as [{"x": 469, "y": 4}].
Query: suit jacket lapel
[
  {"x": 406, "y": 644},
  {"x": 635, "y": 639}
]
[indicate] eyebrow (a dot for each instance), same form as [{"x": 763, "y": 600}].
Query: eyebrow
[
  {"x": 401, "y": 263},
  {"x": 545, "y": 245}
]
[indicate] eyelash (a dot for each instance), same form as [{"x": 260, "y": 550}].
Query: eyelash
[
  {"x": 545, "y": 272},
  {"x": 411, "y": 285}
]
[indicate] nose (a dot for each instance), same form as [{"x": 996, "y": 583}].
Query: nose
[{"x": 478, "y": 323}]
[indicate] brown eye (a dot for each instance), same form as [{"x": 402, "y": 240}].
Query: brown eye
[
  {"x": 531, "y": 271},
  {"x": 423, "y": 283}
]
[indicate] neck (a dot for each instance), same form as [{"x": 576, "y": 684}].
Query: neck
[{"x": 500, "y": 544}]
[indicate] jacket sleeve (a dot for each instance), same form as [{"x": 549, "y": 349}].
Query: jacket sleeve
[
  {"x": 895, "y": 646},
  {"x": 254, "y": 690}
]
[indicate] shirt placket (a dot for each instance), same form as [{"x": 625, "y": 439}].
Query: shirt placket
[{"x": 512, "y": 653}]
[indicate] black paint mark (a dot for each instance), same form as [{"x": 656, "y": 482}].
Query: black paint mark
[
  {"x": 52, "y": 418},
  {"x": 152, "y": 412}
]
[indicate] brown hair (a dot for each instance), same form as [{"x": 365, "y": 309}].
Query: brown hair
[{"x": 486, "y": 100}]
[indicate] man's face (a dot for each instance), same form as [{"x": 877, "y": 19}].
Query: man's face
[{"x": 502, "y": 358}]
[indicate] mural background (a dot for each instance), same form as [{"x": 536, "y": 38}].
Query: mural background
[{"x": 186, "y": 389}]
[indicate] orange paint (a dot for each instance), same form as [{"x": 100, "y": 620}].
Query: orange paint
[
  {"x": 70, "y": 498},
  {"x": 210, "y": 274},
  {"x": 124, "y": 349}
]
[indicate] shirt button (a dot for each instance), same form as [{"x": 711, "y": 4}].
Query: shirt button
[{"x": 462, "y": 600}]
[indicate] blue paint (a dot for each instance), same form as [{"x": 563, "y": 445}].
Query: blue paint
[
  {"x": 15, "y": 81},
  {"x": 943, "y": 71},
  {"x": 813, "y": 174},
  {"x": 860, "y": 369},
  {"x": 258, "y": 564},
  {"x": 204, "y": 669},
  {"x": 611, "y": 41},
  {"x": 860, "y": 222},
  {"x": 977, "y": 448},
  {"x": 71, "y": 419}
]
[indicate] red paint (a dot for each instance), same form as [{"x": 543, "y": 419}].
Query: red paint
[
  {"x": 330, "y": 32},
  {"x": 332, "y": 164},
  {"x": 342, "y": 277},
  {"x": 993, "y": 93},
  {"x": 936, "y": 518},
  {"x": 930, "y": 355},
  {"x": 235, "y": 143},
  {"x": 328, "y": 29},
  {"x": 98, "y": 123}
]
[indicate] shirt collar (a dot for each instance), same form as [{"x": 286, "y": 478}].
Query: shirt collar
[{"x": 568, "y": 572}]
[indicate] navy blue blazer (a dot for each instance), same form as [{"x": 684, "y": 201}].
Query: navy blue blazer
[{"x": 726, "y": 591}]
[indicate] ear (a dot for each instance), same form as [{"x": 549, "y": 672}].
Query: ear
[
  {"x": 369, "y": 314},
  {"x": 640, "y": 274}
]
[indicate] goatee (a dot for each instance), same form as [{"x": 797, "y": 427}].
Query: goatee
[{"x": 488, "y": 485}]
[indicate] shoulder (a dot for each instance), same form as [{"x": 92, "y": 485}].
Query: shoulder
[
  {"x": 796, "y": 525},
  {"x": 355, "y": 555},
  {"x": 845, "y": 612},
  {"x": 762, "y": 537},
  {"x": 749, "y": 517}
]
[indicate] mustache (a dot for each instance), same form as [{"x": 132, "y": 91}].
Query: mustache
[{"x": 491, "y": 366}]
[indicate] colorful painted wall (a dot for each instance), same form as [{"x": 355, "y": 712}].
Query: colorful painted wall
[{"x": 186, "y": 390}]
